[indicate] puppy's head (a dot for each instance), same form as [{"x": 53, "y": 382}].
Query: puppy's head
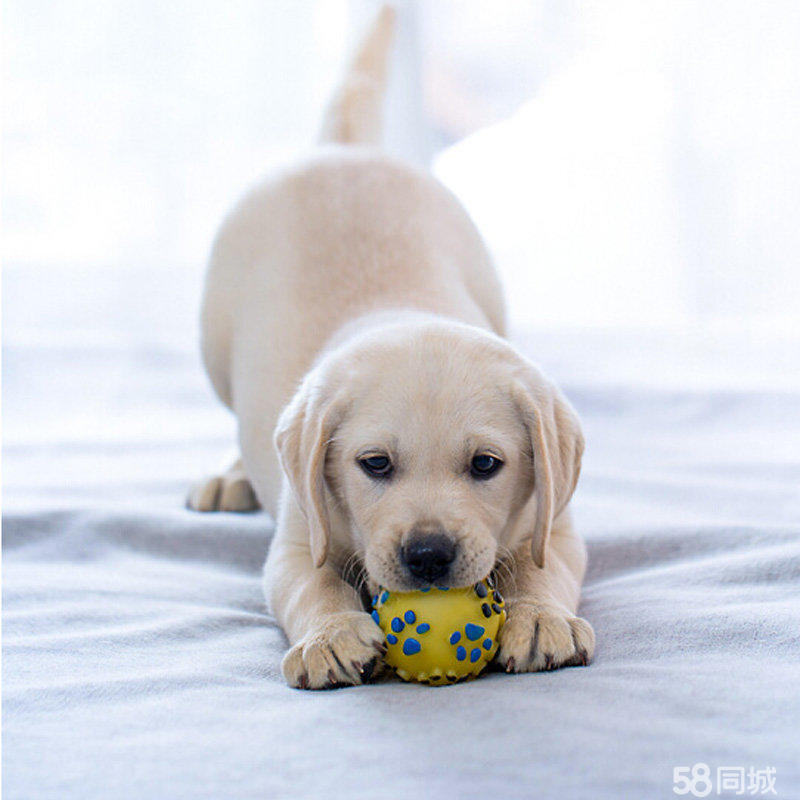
[{"x": 426, "y": 451}]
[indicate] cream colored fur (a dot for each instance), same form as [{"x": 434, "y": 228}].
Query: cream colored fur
[{"x": 351, "y": 308}]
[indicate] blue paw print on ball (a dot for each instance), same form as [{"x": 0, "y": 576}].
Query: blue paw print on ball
[
  {"x": 472, "y": 633},
  {"x": 411, "y": 646}
]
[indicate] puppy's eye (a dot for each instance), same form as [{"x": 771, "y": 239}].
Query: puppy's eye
[
  {"x": 376, "y": 466},
  {"x": 484, "y": 466}
]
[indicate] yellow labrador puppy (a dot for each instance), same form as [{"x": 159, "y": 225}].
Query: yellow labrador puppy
[{"x": 353, "y": 322}]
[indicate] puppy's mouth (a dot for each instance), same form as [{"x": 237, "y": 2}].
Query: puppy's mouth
[
  {"x": 408, "y": 572},
  {"x": 393, "y": 573},
  {"x": 398, "y": 581},
  {"x": 415, "y": 584}
]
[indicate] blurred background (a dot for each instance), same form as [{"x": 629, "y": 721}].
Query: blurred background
[{"x": 634, "y": 168}]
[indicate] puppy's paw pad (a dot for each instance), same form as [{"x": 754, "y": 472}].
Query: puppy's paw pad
[
  {"x": 346, "y": 650},
  {"x": 229, "y": 492},
  {"x": 544, "y": 638}
]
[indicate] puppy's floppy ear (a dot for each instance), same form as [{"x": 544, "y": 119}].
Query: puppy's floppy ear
[
  {"x": 557, "y": 445},
  {"x": 302, "y": 436}
]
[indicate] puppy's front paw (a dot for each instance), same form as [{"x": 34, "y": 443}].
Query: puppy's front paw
[
  {"x": 539, "y": 637},
  {"x": 346, "y": 649}
]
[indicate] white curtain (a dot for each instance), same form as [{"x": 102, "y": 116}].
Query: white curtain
[
  {"x": 628, "y": 163},
  {"x": 652, "y": 173}
]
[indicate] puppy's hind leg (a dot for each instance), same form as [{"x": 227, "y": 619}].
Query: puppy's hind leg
[{"x": 230, "y": 491}]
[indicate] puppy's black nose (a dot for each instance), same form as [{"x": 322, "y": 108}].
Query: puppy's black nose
[{"x": 428, "y": 556}]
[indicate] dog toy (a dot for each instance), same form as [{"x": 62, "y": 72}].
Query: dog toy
[{"x": 442, "y": 634}]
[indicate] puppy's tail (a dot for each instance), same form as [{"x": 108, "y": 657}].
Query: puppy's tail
[{"x": 355, "y": 113}]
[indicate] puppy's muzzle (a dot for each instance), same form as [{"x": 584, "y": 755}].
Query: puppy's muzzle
[{"x": 428, "y": 556}]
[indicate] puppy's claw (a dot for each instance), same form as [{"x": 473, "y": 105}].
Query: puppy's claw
[
  {"x": 367, "y": 670},
  {"x": 364, "y": 671}
]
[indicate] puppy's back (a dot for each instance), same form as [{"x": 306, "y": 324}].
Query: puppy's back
[{"x": 344, "y": 232}]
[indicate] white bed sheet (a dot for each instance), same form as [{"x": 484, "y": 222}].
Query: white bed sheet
[{"x": 139, "y": 662}]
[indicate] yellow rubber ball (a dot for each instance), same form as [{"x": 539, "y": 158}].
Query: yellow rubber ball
[{"x": 440, "y": 635}]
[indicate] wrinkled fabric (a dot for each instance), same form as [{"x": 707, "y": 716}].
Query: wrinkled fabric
[{"x": 139, "y": 661}]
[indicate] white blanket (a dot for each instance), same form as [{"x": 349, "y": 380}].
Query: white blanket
[{"x": 139, "y": 661}]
